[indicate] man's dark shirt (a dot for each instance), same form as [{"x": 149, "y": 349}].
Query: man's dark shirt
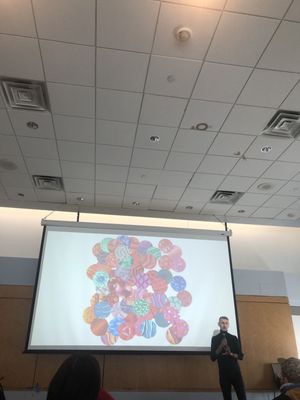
[{"x": 226, "y": 362}]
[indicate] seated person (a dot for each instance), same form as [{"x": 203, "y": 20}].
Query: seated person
[
  {"x": 78, "y": 378},
  {"x": 290, "y": 372}
]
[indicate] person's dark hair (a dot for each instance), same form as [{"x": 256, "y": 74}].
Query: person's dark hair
[
  {"x": 290, "y": 369},
  {"x": 223, "y": 317},
  {"x": 78, "y": 378}
]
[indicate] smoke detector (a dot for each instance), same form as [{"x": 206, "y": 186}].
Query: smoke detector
[
  {"x": 182, "y": 33},
  {"x": 27, "y": 95},
  {"x": 225, "y": 197},
  {"x": 284, "y": 124},
  {"x": 43, "y": 182}
]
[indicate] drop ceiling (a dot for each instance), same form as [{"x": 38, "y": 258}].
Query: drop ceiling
[{"x": 126, "y": 98}]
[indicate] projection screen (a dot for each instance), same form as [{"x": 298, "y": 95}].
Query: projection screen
[{"x": 119, "y": 288}]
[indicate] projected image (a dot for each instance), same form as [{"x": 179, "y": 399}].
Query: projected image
[{"x": 138, "y": 290}]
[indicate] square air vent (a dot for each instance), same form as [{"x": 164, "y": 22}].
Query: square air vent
[
  {"x": 284, "y": 124},
  {"x": 27, "y": 95},
  {"x": 225, "y": 197},
  {"x": 48, "y": 182}
]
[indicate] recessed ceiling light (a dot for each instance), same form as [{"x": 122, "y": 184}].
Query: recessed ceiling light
[
  {"x": 237, "y": 153},
  {"x": 170, "y": 78},
  {"x": 8, "y": 165},
  {"x": 241, "y": 211},
  {"x": 264, "y": 186},
  {"x": 266, "y": 149},
  {"x": 201, "y": 126},
  {"x": 189, "y": 207},
  {"x": 80, "y": 198},
  {"x": 182, "y": 33},
  {"x": 154, "y": 138},
  {"x": 136, "y": 203},
  {"x": 32, "y": 125},
  {"x": 21, "y": 194},
  {"x": 290, "y": 215}
]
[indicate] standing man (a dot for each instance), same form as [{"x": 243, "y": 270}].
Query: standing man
[{"x": 227, "y": 350}]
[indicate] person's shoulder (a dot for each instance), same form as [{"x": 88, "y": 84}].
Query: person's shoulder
[{"x": 232, "y": 336}]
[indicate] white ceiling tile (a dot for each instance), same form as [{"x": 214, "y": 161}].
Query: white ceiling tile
[
  {"x": 172, "y": 76},
  {"x": 15, "y": 180},
  {"x": 268, "y": 186},
  {"x": 40, "y": 148},
  {"x": 294, "y": 12},
  {"x": 290, "y": 189},
  {"x": 20, "y": 57},
  {"x": 241, "y": 211},
  {"x": 111, "y": 173},
  {"x": 51, "y": 196},
  {"x": 227, "y": 144},
  {"x": 133, "y": 21},
  {"x": 292, "y": 100},
  {"x": 297, "y": 177},
  {"x": 66, "y": 20},
  {"x": 115, "y": 133},
  {"x": 144, "y": 176},
  {"x": 119, "y": 106},
  {"x": 76, "y": 63},
  {"x": 159, "y": 110},
  {"x": 78, "y": 152},
  {"x": 78, "y": 185},
  {"x": 144, "y": 158},
  {"x": 198, "y": 195},
  {"x": 220, "y": 82},
  {"x": 236, "y": 183},
  {"x": 189, "y": 207},
  {"x": 206, "y": 181},
  {"x": 250, "y": 167},
  {"x": 21, "y": 194},
  {"x": 12, "y": 163},
  {"x": 168, "y": 192},
  {"x": 20, "y": 118},
  {"x": 110, "y": 188},
  {"x": 5, "y": 125},
  {"x": 247, "y": 120},
  {"x": 252, "y": 199},
  {"x": 72, "y": 100},
  {"x": 1, "y": 101},
  {"x": 136, "y": 202},
  {"x": 238, "y": 31},
  {"x": 74, "y": 128},
  {"x": 16, "y": 18},
  {"x": 280, "y": 201},
  {"x": 3, "y": 195},
  {"x": 264, "y": 212},
  {"x": 202, "y": 22},
  {"x": 289, "y": 214},
  {"x": 278, "y": 146},
  {"x": 282, "y": 170},
  {"x": 215, "y": 209},
  {"x": 267, "y": 8},
  {"x": 143, "y": 191},
  {"x": 162, "y": 205},
  {"x": 113, "y": 155},
  {"x": 208, "y": 112},
  {"x": 41, "y": 166},
  {"x": 174, "y": 178},
  {"x": 217, "y": 4},
  {"x": 108, "y": 201},
  {"x": 85, "y": 199},
  {"x": 121, "y": 70},
  {"x": 292, "y": 153},
  {"x": 282, "y": 52},
  {"x": 217, "y": 164},
  {"x": 295, "y": 205},
  {"x": 77, "y": 170},
  {"x": 9, "y": 146},
  {"x": 267, "y": 88},
  {"x": 193, "y": 141},
  {"x": 183, "y": 162},
  {"x": 145, "y": 132}
]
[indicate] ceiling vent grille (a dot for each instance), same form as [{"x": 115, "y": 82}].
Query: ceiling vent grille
[
  {"x": 48, "y": 182},
  {"x": 284, "y": 124},
  {"x": 27, "y": 95},
  {"x": 225, "y": 197}
]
